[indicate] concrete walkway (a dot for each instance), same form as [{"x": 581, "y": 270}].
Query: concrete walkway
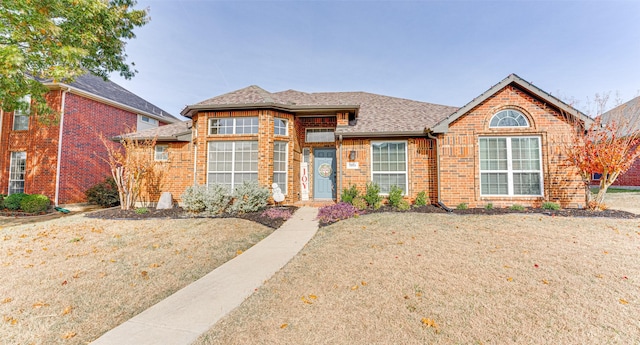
[{"x": 185, "y": 315}]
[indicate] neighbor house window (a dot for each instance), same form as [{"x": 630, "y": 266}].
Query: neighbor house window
[
  {"x": 389, "y": 165},
  {"x": 509, "y": 118},
  {"x": 17, "y": 168},
  {"x": 320, "y": 135},
  {"x": 232, "y": 162},
  {"x": 280, "y": 165},
  {"x": 510, "y": 166},
  {"x": 21, "y": 115},
  {"x": 279, "y": 126},
  {"x": 161, "y": 153},
  {"x": 233, "y": 125}
]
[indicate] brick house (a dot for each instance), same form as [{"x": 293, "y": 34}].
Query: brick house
[
  {"x": 62, "y": 157},
  {"x": 503, "y": 147}
]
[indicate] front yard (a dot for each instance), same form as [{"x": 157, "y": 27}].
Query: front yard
[
  {"x": 69, "y": 280},
  {"x": 451, "y": 279}
]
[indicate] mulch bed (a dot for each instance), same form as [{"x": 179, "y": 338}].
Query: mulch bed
[{"x": 179, "y": 213}]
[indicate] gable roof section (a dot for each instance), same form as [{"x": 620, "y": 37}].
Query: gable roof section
[
  {"x": 179, "y": 131},
  {"x": 626, "y": 115},
  {"x": 377, "y": 115},
  {"x": 443, "y": 126},
  {"x": 106, "y": 91}
]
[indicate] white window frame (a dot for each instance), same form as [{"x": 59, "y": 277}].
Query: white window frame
[
  {"x": 234, "y": 125},
  {"x": 513, "y": 110},
  {"x": 17, "y": 173},
  {"x": 319, "y": 130},
  {"x": 278, "y": 129},
  {"x": 510, "y": 172},
  {"x": 23, "y": 115},
  {"x": 233, "y": 184},
  {"x": 162, "y": 155},
  {"x": 149, "y": 120},
  {"x": 406, "y": 165},
  {"x": 283, "y": 187}
]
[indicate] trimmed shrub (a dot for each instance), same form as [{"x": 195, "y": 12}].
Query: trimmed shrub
[
  {"x": 334, "y": 213},
  {"x": 12, "y": 201},
  {"x": 422, "y": 199},
  {"x": 395, "y": 196},
  {"x": 349, "y": 194},
  {"x": 216, "y": 199},
  {"x": 249, "y": 197},
  {"x": 104, "y": 194},
  {"x": 488, "y": 206},
  {"x": 403, "y": 205},
  {"x": 548, "y": 205},
  {"x": 193, "y": 198},
  {"x": 277, "y": 213},
  {"x": 517, "y": 207},
  {"x": 34, "y": 203},
  {"x": 462, "y": 206},
  {"x": 359, "y": 203},
  {"x": 372, "y": 195}
]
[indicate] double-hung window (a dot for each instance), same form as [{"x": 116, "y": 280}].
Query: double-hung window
[
  {"x": 232, "y": 162},
  {"x": 280, "y": 165},
  {"x": 233, "y": 125},
  {"x": 510, "y": 166},
  {"x": 389, "y": 165},
  {"x": 21, "y": 115},
  {"x": 17, "y": 168},
  {"x": 161, "y": 153}
]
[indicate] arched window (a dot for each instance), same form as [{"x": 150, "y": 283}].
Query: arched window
[{"x": 509, "y": 118}]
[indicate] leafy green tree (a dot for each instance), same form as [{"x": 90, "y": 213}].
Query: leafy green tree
[{"x": 58, "y": 40}]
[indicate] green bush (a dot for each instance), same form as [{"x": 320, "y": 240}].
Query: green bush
[
  {"x": 462, "y": 206},
  {"x": 249, "y": 197},
  {"x": 12, "y": 201},
  {"x": 34, "y": 203},
  {"x": 104, "y": 193},
  {"x": 488, "y": 206},
  {"x": 359, "y": 203},
  {"x": 372, "y": 195},
  {"x": 403, "y": 205},
  {"x": 142, "y": 210},
  {"x": 516, "y": 207},
  {"x": 422, "y": 199},
  {"x": 395, "y": 195},
  {"x": 548, "y": 205},
  {"x": 349, "y": 194}
]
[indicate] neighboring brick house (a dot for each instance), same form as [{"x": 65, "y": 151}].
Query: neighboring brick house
[
  {"x": 63, "y": 156},
  {"x": 504, "y": 147}
]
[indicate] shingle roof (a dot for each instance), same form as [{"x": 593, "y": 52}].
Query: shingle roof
[
  {"x": 376, "y": 113},
  {"x": 179, "y": 131},
  {"x": 626, "y": 115}
]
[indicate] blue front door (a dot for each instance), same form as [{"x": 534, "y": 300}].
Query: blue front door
[{"x": 324, "y": 173}]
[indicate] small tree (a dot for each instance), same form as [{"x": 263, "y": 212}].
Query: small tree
[
  {"x": 608, "y": 147},
  {"x": 131, "y": 164}
]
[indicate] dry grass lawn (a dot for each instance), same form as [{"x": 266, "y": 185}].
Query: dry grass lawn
[
  {"x": 447, "y": 279},
  {"x": 69, "y": 280}
]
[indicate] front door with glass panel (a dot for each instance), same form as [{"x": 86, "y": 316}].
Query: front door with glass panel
[{"x": 324, "y": 174}]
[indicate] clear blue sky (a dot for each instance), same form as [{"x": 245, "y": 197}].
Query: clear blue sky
[{"x": 438, "y": 52}]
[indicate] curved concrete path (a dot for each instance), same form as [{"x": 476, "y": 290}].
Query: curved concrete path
[{"x": 185, "y": 315}]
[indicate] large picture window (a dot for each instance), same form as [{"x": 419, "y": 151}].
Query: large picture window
[
  {"x": 233, "y": 125},
  {"x": 17, "y": 168},
  {"x": 389, "y": 165},
  {"x": 232, "y": 162},
  {"x": 510, "y": 166},
  {"x": 280, "y": 165}
]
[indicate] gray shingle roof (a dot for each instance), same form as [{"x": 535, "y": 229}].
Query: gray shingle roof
[
  {"x": 626, "y": 116},
  {"x": 377, "y": 114},
  {"x": 179, "y": 131}
]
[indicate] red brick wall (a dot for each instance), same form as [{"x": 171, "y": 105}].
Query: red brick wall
[
  {"x": 459, "y": 158},
  {"x": 630, "y": 178}
]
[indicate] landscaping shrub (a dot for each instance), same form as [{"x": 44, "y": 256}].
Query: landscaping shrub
[
  {"x": 517, "y": 207},
  {"x": 193, "y": 198},
  {"x": 422, "y": 199},
  {"x": 548, "y": 205},
  {"x": 395, "y": 195},
  {"x": 403, "y": 205},
  {"x": 277, "y": 213},
  {"x": 12, "y": 201},
  {"x": 249, "y": 197},
  {"x": 372, "y": 195},
  {"x": 216, "y": 199},
  {"x": 142, "y": 210},
  {"x": 488, "y": 206},
  {"x": 334, "y": 213},
  {"x": 359, "y": 203},
  {"x": 349, "y": 194},
  {"x": 34, "y": 203},
  {"x": 104, "y": 194},
  {"x": 462, "y": 206}
]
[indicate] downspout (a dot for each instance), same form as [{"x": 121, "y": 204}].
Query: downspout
[
  {"x": 62, "y": 101},
  {"x": 339, "y": 165},
  {"x": 440, "y": 203}
]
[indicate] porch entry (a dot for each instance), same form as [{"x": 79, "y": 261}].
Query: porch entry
[{"x": 324, "y": 173}]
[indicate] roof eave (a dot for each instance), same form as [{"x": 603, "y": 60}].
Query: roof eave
[
  {"x": 387, "y": 134},
  {"x": 190, "y": 110}
]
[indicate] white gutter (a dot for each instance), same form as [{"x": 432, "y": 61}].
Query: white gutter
[{"x": 62, "y": 101}]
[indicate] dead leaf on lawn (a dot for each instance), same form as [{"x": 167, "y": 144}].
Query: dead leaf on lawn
[
  {"x": 623, "y": 301},
  {"x": 284, "y": 325},
  {"x": 7, "y": 300},
  {"x": 67, "y": 310},
  {"x": 40, "y": 305},
  {"x": 305, "y": 300},
  {"x": 69, "y": 335},
  {"x": 509, "y": 279},
  {"x": 10, "y": 320}
]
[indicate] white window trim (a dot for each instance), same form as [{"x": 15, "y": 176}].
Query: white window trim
[
  {"x": 155, "y": 153},
  {"x": 329, "y": 129},
  {"x": 286, "y": 126},
  {"x": 286, "y": 166},
  {"x": 233, "y": 127},
  {"x": 518, "y": 111},
  {"x": 12, "y": 163},
  {"x": 148, "y": 119},
  {"x": 233, "y": 162},
  {"x": 406, "y": 165},
  {"x": 510, "y": 170}
]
